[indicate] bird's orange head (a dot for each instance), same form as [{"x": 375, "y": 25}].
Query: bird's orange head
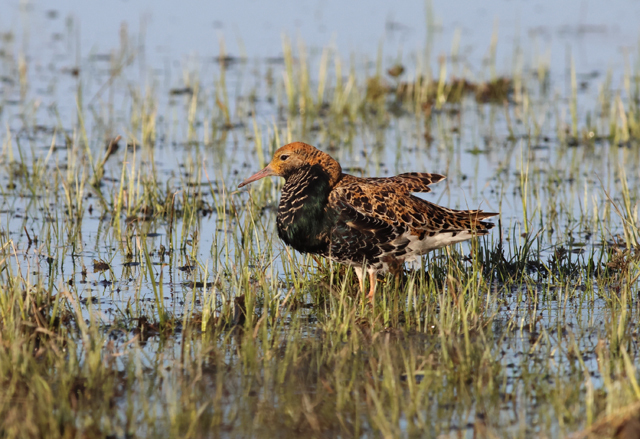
[{"x": 290, "y": 158}]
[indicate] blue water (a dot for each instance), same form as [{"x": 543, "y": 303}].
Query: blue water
[{"x": 596, "y": 31}]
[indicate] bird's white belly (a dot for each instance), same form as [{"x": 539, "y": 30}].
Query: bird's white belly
[{"x": 419, "y": 247}]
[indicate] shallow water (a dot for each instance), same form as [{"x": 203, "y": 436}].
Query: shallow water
[{"x": 82, "y": 71}]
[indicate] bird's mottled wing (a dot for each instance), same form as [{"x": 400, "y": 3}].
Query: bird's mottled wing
[
  {"x": 383, "y": 200},
  {"x": 391, "y": 203},
  {"x": 408, "y": 182}
]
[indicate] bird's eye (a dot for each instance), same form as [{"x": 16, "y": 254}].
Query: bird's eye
[{"x": 283, "y": 157}]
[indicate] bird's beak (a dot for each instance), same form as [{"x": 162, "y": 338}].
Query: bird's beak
[{"x": 266, "y": 172}]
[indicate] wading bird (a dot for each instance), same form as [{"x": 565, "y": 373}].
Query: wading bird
[{"x": 372, "y": 224}]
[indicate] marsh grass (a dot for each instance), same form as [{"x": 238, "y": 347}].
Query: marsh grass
[{"x": 199, "y": 323}]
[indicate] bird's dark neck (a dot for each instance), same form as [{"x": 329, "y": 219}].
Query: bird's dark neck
[{"x": 303, "y": 221}]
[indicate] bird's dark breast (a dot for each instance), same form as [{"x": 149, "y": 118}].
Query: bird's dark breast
[{"x": 304, "y": 220}]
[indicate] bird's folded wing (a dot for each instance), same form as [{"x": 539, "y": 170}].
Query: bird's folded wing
[
  {"x": 409, "y": 182},
  {"x": 376, "y": 205},
  {"x": 391, "y": 204}
]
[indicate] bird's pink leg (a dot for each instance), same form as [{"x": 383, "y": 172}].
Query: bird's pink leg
[
  {"x": 373, "y": 279},
  {"x": 360, "y": 273}
]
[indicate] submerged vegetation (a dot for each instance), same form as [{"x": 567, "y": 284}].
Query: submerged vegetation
[{"x": 142, "y": 295}]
